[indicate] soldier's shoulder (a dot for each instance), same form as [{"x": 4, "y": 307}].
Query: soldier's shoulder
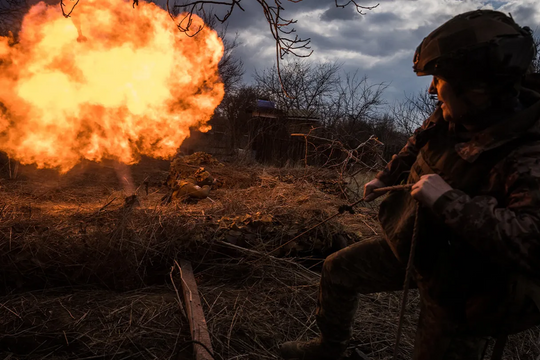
[
  {"x": 526, "y": 159},
  {"x": 187, "y": 181}
]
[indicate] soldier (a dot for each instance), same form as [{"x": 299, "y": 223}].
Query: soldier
[
  {"x": 475, "y": 166},
  {"x": 195, "y": 187}
]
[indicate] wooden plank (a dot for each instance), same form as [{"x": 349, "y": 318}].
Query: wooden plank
[{"x": 195, "y": 313}]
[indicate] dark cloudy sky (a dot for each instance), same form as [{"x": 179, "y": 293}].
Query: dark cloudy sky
[{"x": 379, "y": 44}]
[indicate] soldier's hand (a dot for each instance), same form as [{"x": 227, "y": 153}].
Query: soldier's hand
[
  {"x": 429, "y": 188},
  {"x": 369, "y": 195}
]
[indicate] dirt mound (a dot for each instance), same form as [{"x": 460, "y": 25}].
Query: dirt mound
[
  {"x": 199, "y": 158},
  {"x": 52, "y": 234}
]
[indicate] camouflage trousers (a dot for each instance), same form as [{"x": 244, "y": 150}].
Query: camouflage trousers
[{"x": 370, "y": 267}]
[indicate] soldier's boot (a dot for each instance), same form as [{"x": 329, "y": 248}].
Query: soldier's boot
[{"x": 315, "y": 349}]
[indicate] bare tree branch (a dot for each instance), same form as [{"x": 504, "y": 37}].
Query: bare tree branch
[
  {"x": 62, "y": 6},
  {"x": 11, "y": 14},
  {"x": 231, "y": 68},
  {"x": 359, "y": 8},
  {"x": 287, "y": 42},
  {"x": 410, "y": 113},
  {"x": 536, "y": 61},
  {"x": 309, "y": 86}
]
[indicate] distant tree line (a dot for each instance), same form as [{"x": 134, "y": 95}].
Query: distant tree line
[{"x": 350, "y": 108}]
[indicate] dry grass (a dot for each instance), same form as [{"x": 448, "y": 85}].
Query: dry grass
[
  {"x": 84, "y": 276},
  {"x": 66, "y": 323},
  {"x": 274, "y": 301}
]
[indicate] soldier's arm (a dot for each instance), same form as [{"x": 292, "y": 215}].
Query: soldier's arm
[
  {"x": 508, "y": 233},
  {"x": 398, "y": 168},
  {"x": 199, "y": 192}
]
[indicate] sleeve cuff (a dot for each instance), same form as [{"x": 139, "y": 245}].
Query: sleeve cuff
[{"x": 444, "y": 200}]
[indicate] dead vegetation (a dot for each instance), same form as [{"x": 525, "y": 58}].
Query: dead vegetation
[{"x": 85, "y": 275}]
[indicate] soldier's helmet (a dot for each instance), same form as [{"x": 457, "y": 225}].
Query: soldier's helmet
[
  {"x": 203, "y": 177},
  {"x": 482, "y": 46}
]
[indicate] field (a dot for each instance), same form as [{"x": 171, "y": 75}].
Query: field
[{"x": 87, "y": 274}]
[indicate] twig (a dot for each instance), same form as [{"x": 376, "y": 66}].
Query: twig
[
  {"x": 105, "y": 206},
  {"x": 64, "y": 12},
  {"x": 69, "y": 312},
  {"x": 11, "y": 311},
  {"x": 180, "y": 303}
]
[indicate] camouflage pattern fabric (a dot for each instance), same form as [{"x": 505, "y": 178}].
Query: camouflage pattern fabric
[
  {"x": 369, "y": 267},
  {"x": 365, "y": 267},
  {"x": 479, "y": 239},
  {"x": 186, "y": 189},
  {"x": 202, "y": 177},
  {"x": 495, "y": 174},
  {"x": 197, "y": 186},
  {"x": 475, "y": 246}
]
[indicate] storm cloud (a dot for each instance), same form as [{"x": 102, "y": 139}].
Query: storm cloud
[{"x": 379, "y": 44}]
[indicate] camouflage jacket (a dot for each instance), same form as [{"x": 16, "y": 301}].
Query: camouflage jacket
[
  {"x": 186, "y": 189},
  {"x": 489, "y": 224}
]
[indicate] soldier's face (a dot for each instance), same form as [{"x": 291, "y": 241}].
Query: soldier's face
[{"x": 453, "y": 106}]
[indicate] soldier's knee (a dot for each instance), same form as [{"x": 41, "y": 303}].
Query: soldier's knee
[
  {"x": 327, "y": 266},
  {"x": 332, "y": 264}
]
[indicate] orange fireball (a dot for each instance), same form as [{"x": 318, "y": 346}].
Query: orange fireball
[{"x": 109, "y": 82}]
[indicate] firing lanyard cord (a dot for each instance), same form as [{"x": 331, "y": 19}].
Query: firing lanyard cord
[
  {"x": 410, "y": 263},
  {"x": 407, "y": 282}
]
